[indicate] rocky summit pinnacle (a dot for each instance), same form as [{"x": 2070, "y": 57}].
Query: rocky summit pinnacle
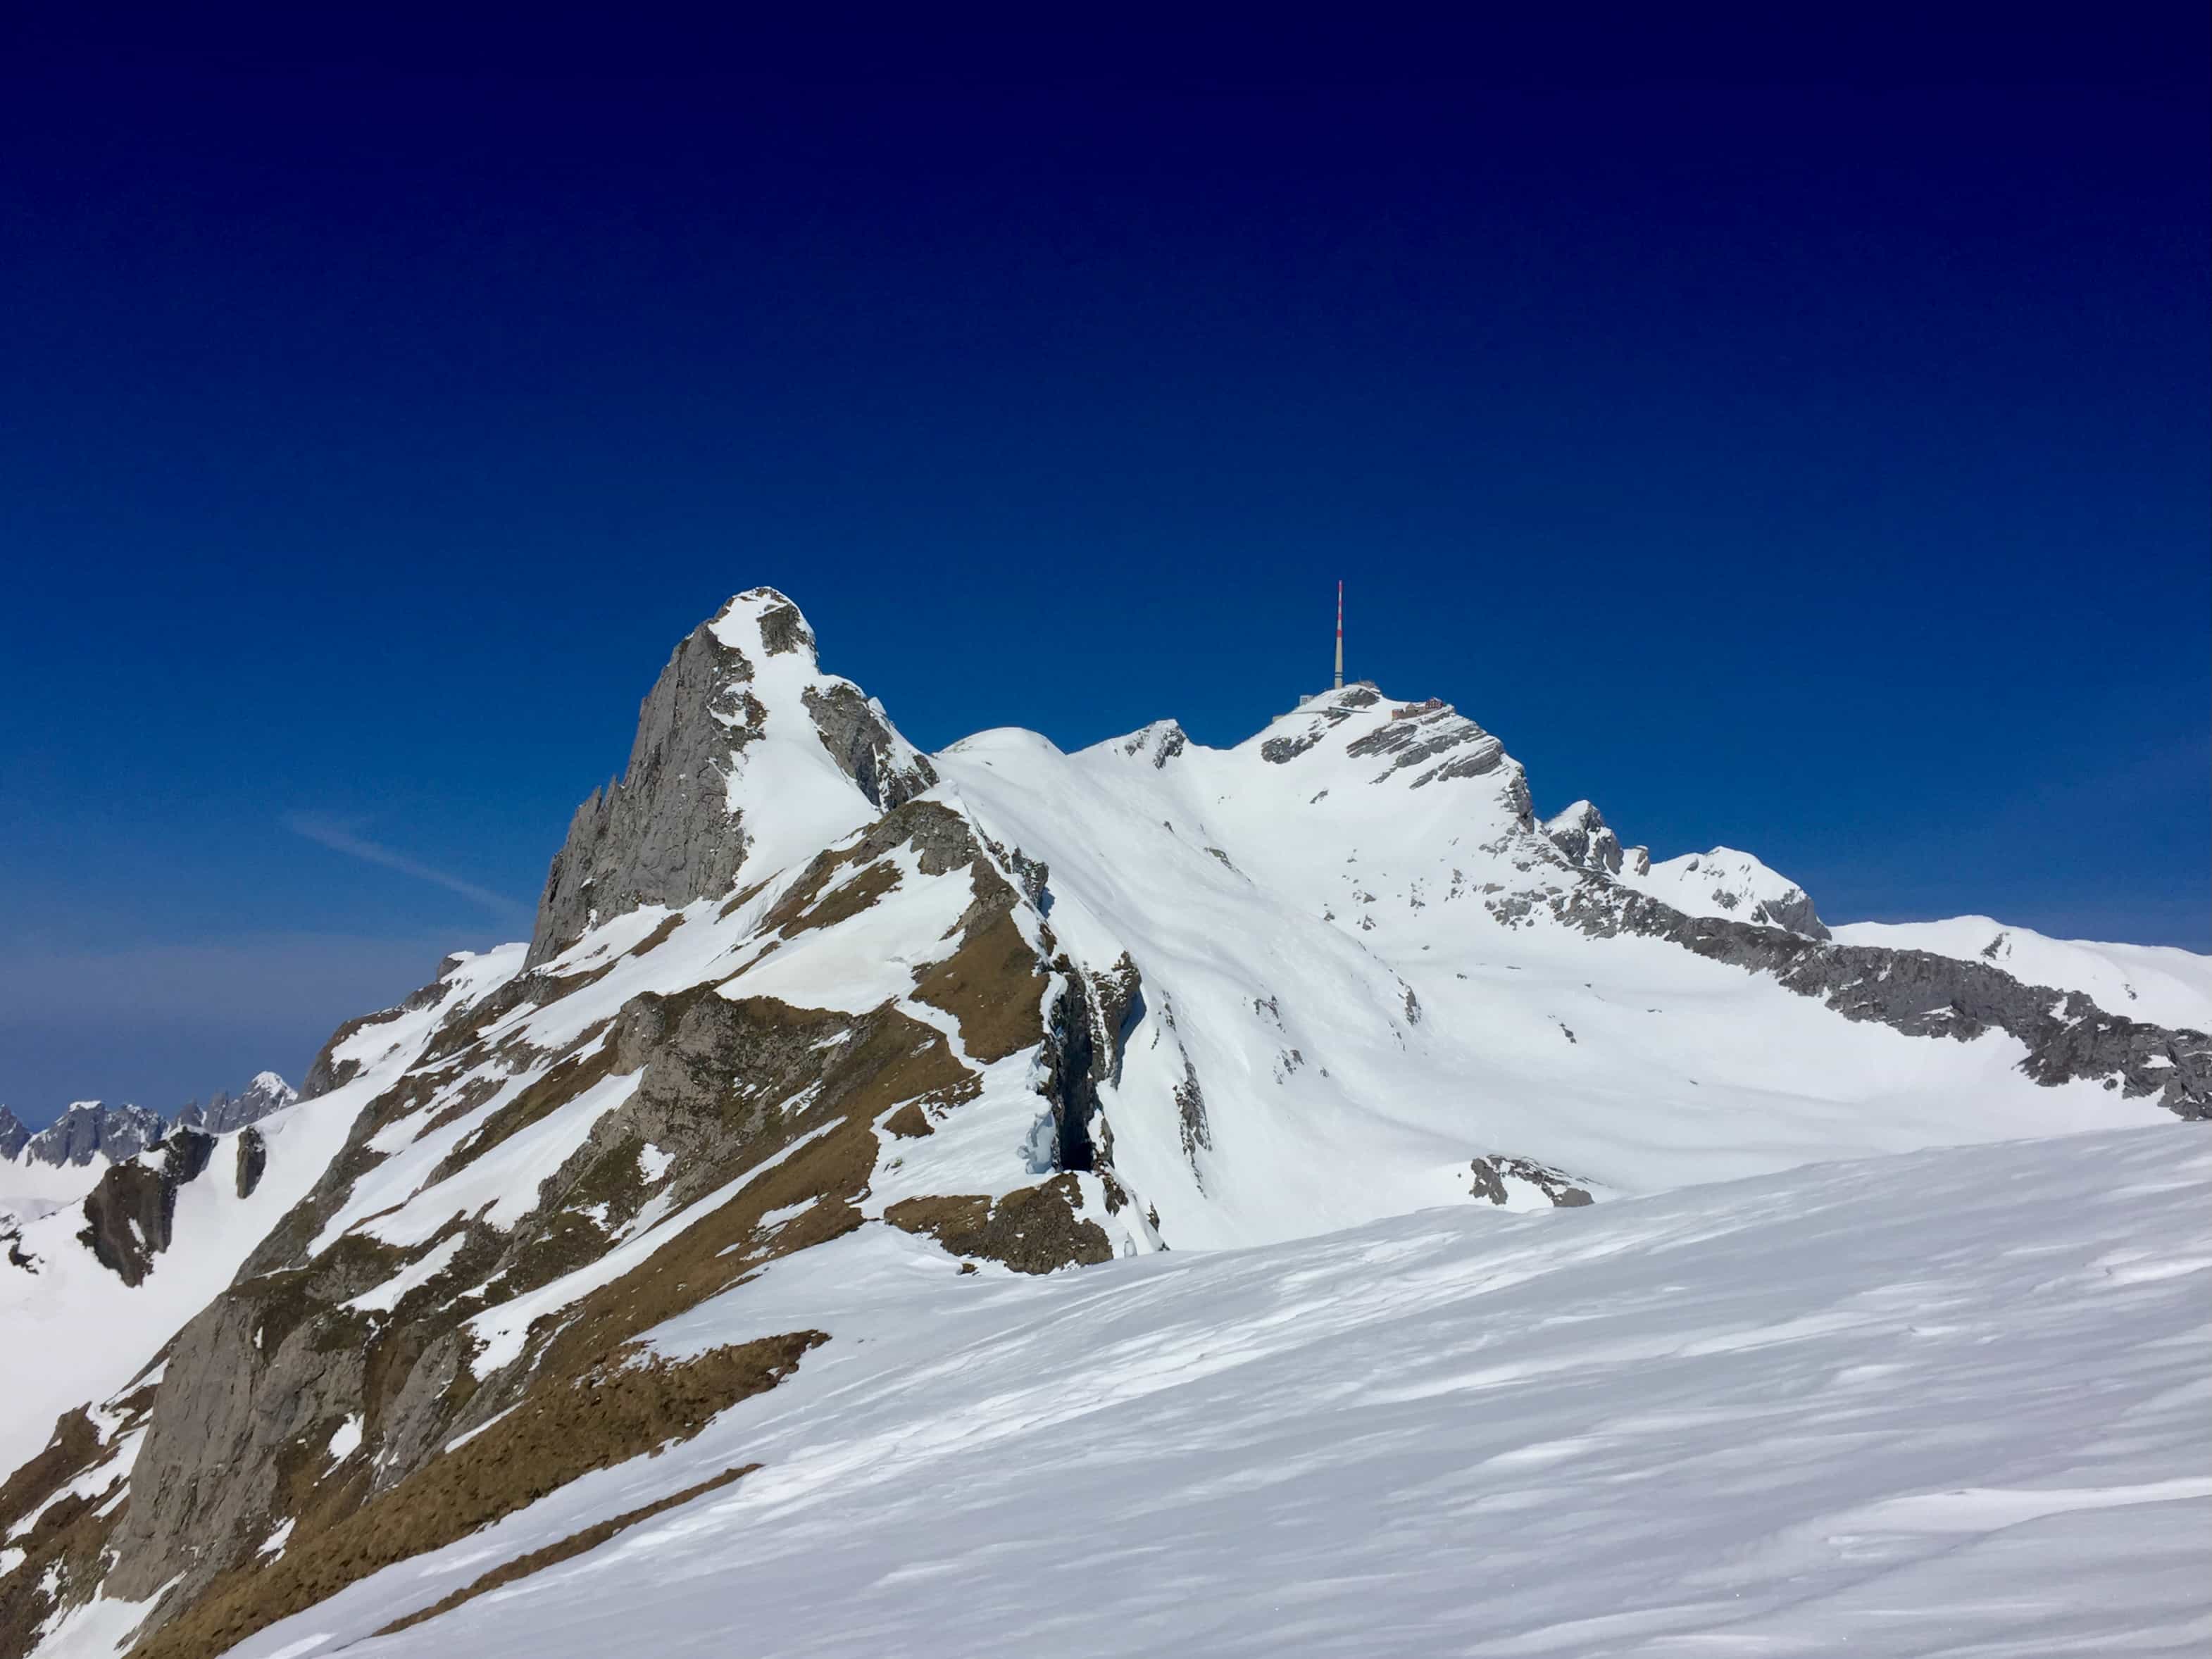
[
  {"x": 226, "y": 1112},
  {"x": 88, "y": 1129},
  {"x": 745, "y": 751},
  {"x": 91, "y": 1129}
]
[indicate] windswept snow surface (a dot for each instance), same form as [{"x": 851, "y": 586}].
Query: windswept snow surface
[
  {"x": 1939, "y": 1402},
  {"x": 2158, "y": 984}
]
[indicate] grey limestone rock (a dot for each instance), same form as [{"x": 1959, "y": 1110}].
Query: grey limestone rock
[
  {"x": 1281, "y": 750},
  {"x": 1734, "y": 889},
  {"x": 2066, "y": 1034},
  {"x": 666, "y": 833},
  {"x": 853, "y": 729},
  {"x": 266, "y": 1093},
  {"x": 1162, "y": 740},
  {"x": 1581, "y": 833},
  {"x": 1490, "y": 1173},
  {"x": 88, "y": 1129},
  {"x": 226, "y": 1113}
]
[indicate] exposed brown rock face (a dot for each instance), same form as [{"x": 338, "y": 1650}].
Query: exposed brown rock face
[
  {"x": 910, "y": 1122},
  {"x": 568, "y": 1549},
  {"x": 282, "y": 1404},
  {"x": 565, "y": 1428},
  {"x": 259, "y": 1382},
  {"x": 1035, "y": 1230}
]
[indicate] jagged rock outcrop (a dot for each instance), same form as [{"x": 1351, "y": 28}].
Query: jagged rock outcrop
[
  {"x": 853, "y": 728},
  {"x": 2067, "y": 1035},
  {"x": 252, "y": 1160},
  {"x": 89, "y": 1129},
  {"x": 130, "y": 1216},
  {"x": 1490, "y": 1174},
  {"x": 1158, "y": 743},
  {"x": 665, "y": 833},
  {"x": 675, "y": 827},
  {"x": 1038, "y": 1230},
  {"x": 1581, "y": 832},
  {"x": 226, "y": 1113}
]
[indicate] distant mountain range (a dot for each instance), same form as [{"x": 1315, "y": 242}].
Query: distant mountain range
[{"x": 91, "y": 1129}]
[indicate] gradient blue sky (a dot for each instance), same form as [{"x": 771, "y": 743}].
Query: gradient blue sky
[{"x": 1802, "y": 449}]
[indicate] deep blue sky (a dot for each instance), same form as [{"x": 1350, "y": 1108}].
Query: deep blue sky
[{"x": 1802, "y": 449}]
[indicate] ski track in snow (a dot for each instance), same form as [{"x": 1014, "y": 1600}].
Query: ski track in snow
[{"x": 1916, "y": 1404}]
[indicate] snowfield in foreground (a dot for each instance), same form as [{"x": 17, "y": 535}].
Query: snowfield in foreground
[{"x": 1951, "y": 1401}]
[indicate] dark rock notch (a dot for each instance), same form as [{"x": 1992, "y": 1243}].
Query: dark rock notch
[{"x": 1072, "y": 1058}]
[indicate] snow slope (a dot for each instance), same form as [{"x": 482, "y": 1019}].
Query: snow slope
[
  {"x": 1947, "y": 1402},
  {"x": 1357, "y": 980},
  {"x": 2155, "y": 982},
  {"x": 816, "y": 1038},
  {"x": 74, "y": 1331}
]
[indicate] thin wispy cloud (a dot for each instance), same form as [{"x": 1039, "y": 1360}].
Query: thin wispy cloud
[{"x": 337, "y": 835}]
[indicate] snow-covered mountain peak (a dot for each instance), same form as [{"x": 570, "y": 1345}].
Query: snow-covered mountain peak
[
  {"x": 88, "y": 1128},
  {"x": 1357, "y": 735},
  {"x": 267, "y": 1093},
  {"x": 1155, "y": 745},
  {"x": 1727, "y": 883},
  {"x": 1581, "y": 833},
  {"x": 762, "y": 622},
  {"x": 748, "y": 756}
]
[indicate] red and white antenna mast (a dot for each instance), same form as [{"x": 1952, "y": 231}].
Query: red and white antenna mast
[{"x": 1340, "y": 637}]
